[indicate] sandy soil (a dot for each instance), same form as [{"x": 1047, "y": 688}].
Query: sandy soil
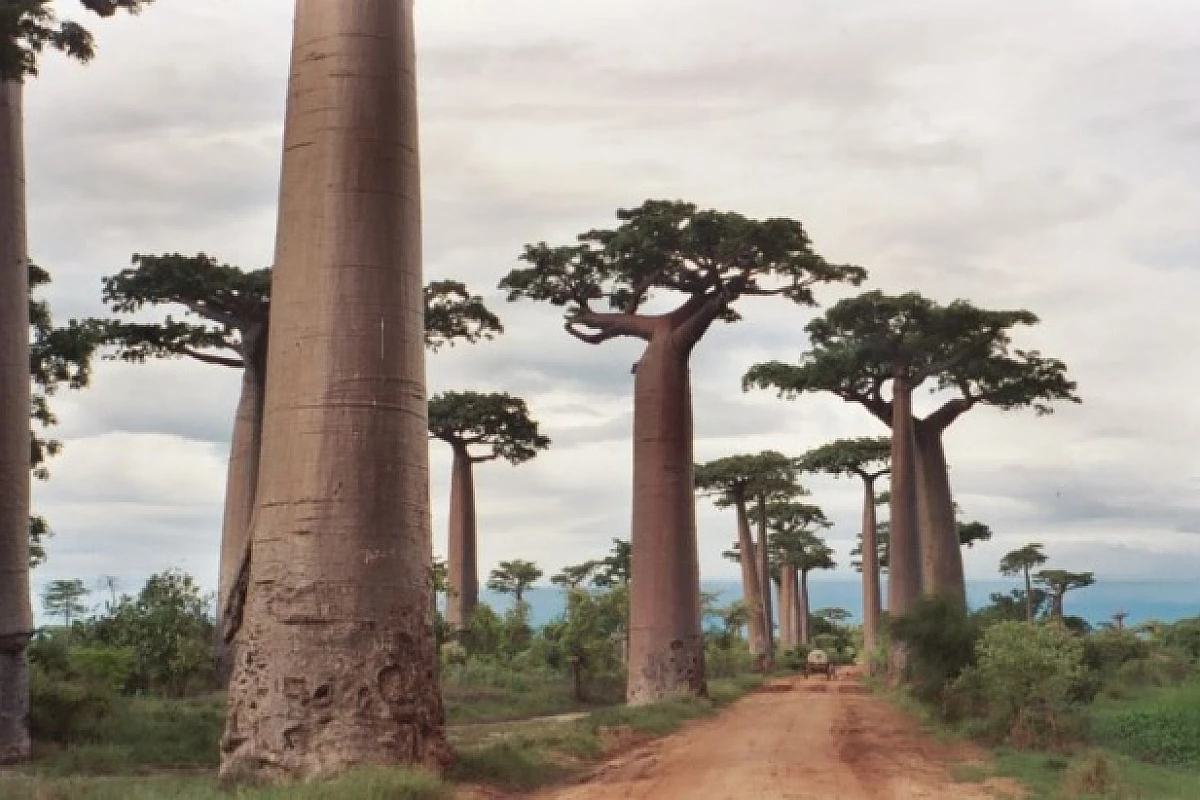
[{"x": 796, "y": 739}]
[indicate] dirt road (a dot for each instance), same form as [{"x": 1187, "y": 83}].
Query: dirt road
[{"x": 799, "y": 739}]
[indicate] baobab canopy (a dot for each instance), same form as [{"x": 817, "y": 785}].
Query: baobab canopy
[{"x": 712, "y": 257}]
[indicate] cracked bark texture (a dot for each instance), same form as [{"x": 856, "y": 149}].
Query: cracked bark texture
[
  {"x": 336, "y": 661},
  {"x": 666, "y": 647},
  {"x": 752, "y": 589},
  {"x": 16, "y": 616},
  {"x": 462, "y": 566},
  {"x": 241, "y": 482},
  {"x": 870, "y": 569},
  {"x": 904, "y": 553}
]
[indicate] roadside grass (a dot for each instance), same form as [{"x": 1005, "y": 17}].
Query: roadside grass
[
  {"x": 1146, "y": 747},
  {"x": 481, "y": 692},
  {"x": 533, "y": 758},
  {"x": 151, "y": 739},
  {"x": 367, "y": 784}
]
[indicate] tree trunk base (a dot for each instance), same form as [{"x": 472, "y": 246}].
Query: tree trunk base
[
  {"x": 15, "y": 746},
  {"x": 669, "y": 674}
]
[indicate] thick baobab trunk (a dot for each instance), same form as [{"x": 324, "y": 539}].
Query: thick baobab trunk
[
  {"x": 336, "y": 664},
  {"x": 941, "y": 553},
  {"x": 16, "y": 616},
  {"x": 870, "y": 570},
  {"x": 787, "y": 608},
  {"x": 764, "y": 572},
  {"x": 802, "y": 610},
  {"x": 752, "y": 591},
  {"x": 666, "y": 648},
  {"x": 904, "y": 554},
  {"x": 241, "y": 482},
  {"x": 462, "y": 568}
]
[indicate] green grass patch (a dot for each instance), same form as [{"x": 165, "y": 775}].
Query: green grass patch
[
  {"x": 366, "y": 784},
  {"x": 1160, "y": 727}
]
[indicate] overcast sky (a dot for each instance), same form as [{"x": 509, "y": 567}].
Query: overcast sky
[{"x": 1028, "y": 154}]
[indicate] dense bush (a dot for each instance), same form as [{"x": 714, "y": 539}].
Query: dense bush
[
  {"x": 1164, "y": 729},
  {"x": 1107, "y": 650},
  {"x": 74, "y": 690},
  {"x": 1185, "y": 636},
  {"x": 1025, "y": 682},
  {"x": 723, "y": 660},
  {"x": 940, "y": 639}
]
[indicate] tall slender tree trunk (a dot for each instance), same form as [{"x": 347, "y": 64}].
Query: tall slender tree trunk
[
  {"x": 752, "y": 590},
  {"x": 1028, "y": 598},
  {"x": 802, "y": 610},
  {"x": 1056, "y": 605},
  {"x": 870, "y": 570},
  {"x": 941, "y": 553},
  {"x": 666, "y": 648},
  {"x": 787, "y": 607},
  {"x": 336, "y": 664},
  {"x": 462, "y": 568},
  {"x": 904, "y": 554},
  {"x": 16, "y": 616},
  {"x": 764, "y": 572},
  {"x": 241, "y": 483}
]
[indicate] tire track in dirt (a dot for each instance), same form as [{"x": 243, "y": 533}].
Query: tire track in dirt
[{"x": 795, "y": 739}]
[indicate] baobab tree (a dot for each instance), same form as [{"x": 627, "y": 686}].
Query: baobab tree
[
  {"x": 734, "y": 481},
  {"x": 514, "y": 577},
  {"x": 224, "y": 312},
  {"x": 1020, "y": 562},
  {"x": 1057, "y": 582},
  {"x": 797, "y": 550},
  {"x": 478, "y": 428},
  {"x": 867, "y": 459},
  {"x": 866, "y": 342},
  {"x": 27, "y": 29},
  {"x": 712, "y": 259},
  {"x": 336, "y": 662}
]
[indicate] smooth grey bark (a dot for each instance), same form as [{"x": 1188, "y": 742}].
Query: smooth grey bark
[
  {"x": 16, "y": 615},
  {"x": 802, "y": 610},
  {"x": 462, "y": 567},
  {"x": 941, "y": 552},
  {"x": 764, "y": 572},
  {"x": 666, "y": 646},
  {"x": 752, "y": 589},
  {"x": 788, "y": 628},
  {"x": 904, "y": 554},
  {"x": 870, "y": 569},
  {"x": 336, "y": 665},
  {"x": 241, "y": 483}
]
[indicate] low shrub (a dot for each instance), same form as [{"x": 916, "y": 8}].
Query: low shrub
[
  {"x": 1162, "y": 729},
  {"x": 1024, "y": 683}
]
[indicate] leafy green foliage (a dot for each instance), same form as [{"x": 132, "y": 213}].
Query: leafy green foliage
[
  {"x": 1022, "y": 560},
  {"x": 63, "y": 598},
  {"x": 596, "y": 623},
  {"x": 497, "y": 422},
  {"x": 225, "y": 311},
  {"x": 170, "y": 632},
  {"x": 865, "y": 457},
  {"x": 742, "y": 478},
  {"x": 710, "y": 257},
  {"x": 1058, "y": 582},
  {"x": 1025, "y": 681},
  {"x": 1161, "y": 729},
  {"x": 514, "y": 577},
  {"x": 1185, "y": 635},
  {"x": 73, "y": 690},
  {"x": 28, "y": 27},
  {"x": 941, "y": 638},
  {"x": 863, "y": 342}
]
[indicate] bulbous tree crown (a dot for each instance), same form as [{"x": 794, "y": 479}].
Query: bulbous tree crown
[
  {"x": 711, "y": 258},
  {"x": 863, "y": 342},
  {"x": 867, "y": 456},
  {"x": 1060, "y": 581},
  {"x": 514, "y": 577},
  {"x": 737, "y": 478},
  {"x": 29, "y": 27},
  {"x": 222, "y": 303},
  {"x": 1018, "y": 561},
  {"x": 498, "y": 422}
]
